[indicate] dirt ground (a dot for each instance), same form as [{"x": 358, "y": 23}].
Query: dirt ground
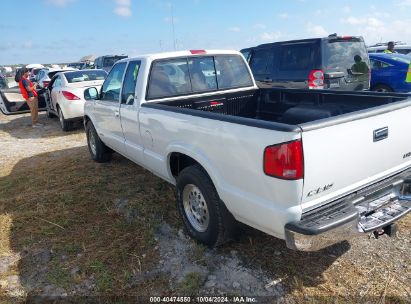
[{"x": 74, "y": 230}]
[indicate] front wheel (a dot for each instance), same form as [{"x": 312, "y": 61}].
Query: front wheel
[
  {"x": 98, "y": 150},
  {"x": 204, "y": 215}
]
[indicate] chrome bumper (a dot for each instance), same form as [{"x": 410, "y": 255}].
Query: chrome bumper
[{"x": 366, "y": 211}]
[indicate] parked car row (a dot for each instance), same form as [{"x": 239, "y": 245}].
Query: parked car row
[{"x": 333, "y": 62}]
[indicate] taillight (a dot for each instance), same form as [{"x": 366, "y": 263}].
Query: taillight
[
  {"x": 285, "y": 161},
  {"x": 316, "y": 79},
  {"x": 45, "y": 84},
  {"x": 69, "y": 95}
]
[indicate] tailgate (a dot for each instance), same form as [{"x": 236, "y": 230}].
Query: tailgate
[{"x": 358, "y": 150}]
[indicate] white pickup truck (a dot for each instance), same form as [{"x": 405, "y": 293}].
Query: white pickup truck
[{"x": 311, "y": 167}]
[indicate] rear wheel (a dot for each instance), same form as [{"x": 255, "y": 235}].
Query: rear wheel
[
  {"x": 98, "y": 150},
  {"x": 204, "y": 215},
  {"x": 382, "y": 88},
  {"x": 64, "y": 123}
]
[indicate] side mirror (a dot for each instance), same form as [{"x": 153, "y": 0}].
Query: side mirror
[{"x": 91, "y": 94}]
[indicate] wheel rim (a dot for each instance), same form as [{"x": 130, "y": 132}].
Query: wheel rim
[
  {"x": 92, "y": 142},
  {"x": 195, "y": 208},
  {"x": 61, "y": 118}
]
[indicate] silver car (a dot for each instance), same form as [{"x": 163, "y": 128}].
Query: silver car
[{"x": 44, "y": 75}]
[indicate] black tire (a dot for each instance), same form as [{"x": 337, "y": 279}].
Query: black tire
[
  {"x": 64, "y": 123},
  {"x": 220, "y": 225},
  {"x": 382, "y": 88},
  {"x": 98, "y": 150}
]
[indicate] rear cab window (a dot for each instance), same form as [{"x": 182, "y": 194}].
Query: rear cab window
[
  {"x": 347, "y": 55},
  {"x": 197, "y": 74}
]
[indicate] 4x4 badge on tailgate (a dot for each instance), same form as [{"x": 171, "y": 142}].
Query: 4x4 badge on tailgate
[{"x": 319, "y": 190}]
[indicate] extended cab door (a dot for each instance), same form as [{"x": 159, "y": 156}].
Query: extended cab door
[
  {"x": 129, "y": 108},
  {"x": 107, "y": 109}
]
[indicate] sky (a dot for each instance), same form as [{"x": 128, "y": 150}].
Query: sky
[{"x": 57, "y": 31}]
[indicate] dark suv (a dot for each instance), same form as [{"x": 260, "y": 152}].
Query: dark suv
[
  {"x": 107, "y": 61},
  {"x": 333, "y": 62}
]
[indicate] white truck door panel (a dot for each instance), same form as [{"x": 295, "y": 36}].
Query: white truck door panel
[
  {"x": 108, "y": 120},
  {"x": 343, "y": 157},
  {"x": 107, "y": 109},
  {"x": 129, "y": 108}
]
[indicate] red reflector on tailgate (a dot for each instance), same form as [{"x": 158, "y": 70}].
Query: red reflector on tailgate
[{"x": 285, "y": 161}]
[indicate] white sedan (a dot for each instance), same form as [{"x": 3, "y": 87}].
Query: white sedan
[{"x": 65, "y": 94}]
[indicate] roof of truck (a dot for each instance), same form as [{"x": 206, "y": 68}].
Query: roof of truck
[{"x": 164, "y": 55}]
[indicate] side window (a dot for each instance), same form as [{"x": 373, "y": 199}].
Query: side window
[
  {"x": 232, "y": 72},
  {"x": 129, "y": 83},
  {"x": 296, "y": 57},
  {"x": 111, "y": 87},
  {"x": 377, "y": 65},
  {"x": 202, "y": 74},
  {"x": 169, "y": 78},
  {"x": 259, "y": 60},
  {"x": 57, "y": 82}
]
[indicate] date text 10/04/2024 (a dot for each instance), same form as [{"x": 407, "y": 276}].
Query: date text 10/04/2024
[{"x": 203, "y": 299}]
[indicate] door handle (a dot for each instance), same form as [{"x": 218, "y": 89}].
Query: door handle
[
  {"x": 116, "y": 113},
  {"x": 380, "y": 134},
  {"x": 267, "y": 80}
]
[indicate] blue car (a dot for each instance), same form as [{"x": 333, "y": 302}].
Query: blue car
[{"x": 388, "y": 72}]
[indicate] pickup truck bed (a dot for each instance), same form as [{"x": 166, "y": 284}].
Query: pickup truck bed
[{"x": 285, "y": 106}]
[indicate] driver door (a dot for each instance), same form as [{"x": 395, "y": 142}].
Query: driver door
[{"x": 107, "y": 109}]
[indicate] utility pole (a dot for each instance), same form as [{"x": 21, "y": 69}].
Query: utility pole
[{"x": 172, "y": 25}]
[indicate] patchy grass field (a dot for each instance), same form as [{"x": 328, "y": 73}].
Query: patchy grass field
[{"x": 69, "y": 227}]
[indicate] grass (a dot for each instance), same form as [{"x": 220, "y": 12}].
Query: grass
[
  {"x": 191, "y": 283},
  {"x": 59, "y": 277},
  {"x": 74, "y": 213},
  {"x": 198, "y": 254}
]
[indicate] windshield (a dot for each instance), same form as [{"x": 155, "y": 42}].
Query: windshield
[
  {"x": 110, "y": 61},
  {"x": 346, "y": 56},
  {"x": 79, "y": 76}
]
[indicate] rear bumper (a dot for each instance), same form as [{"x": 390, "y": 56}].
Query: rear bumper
[
  {"x": 73, "y": 109},
  {"x": 367, "y": 210}
]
